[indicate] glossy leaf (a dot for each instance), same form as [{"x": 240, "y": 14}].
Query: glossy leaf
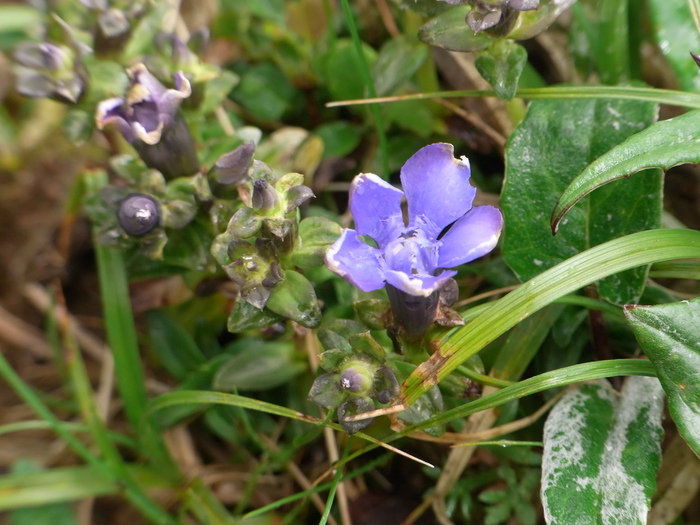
[
  {"x": 663, "y": 145},
  {"x": 295, "y": 299},
  {"x": 601, "y": 453},
  {"x": 668, "y": 335},
  {"x": 245, "y": 316},
  {"x": 539, "y": 167},
  {"x": 676, "y": 35},
  {"x": 316, "y": 235}
]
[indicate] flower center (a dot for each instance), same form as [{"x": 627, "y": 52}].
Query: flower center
[{"x": 411, "y": 253}]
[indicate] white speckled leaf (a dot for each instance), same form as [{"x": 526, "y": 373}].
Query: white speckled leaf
[{"x": 601, "y": 454}]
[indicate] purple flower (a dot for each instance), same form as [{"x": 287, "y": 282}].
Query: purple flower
[
  {"x": 149, "y": 118},
  {"x": 48, "y": 70},
  {"x": 444, "y": 230}
]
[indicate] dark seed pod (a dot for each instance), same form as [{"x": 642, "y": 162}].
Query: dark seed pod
[{"x": 138, "y": 214}]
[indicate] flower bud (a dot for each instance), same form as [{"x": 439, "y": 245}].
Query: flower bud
[
  {"x": 357, "y": 377},
  {"x": 230, "y": 170},
  {"x": 297, "y": 196},
  {"x": 138, "y": 214},
  {"x": 264, "y": 197}
]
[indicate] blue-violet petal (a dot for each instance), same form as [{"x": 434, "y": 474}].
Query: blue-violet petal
[
  {"x": 376, "y": 208},
  {"x": 356, "y": 262},
  {"x": 472, "y": 236},
  {"x": 437, "y": 186}
]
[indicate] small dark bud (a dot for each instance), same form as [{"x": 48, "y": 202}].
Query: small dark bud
[
  {"x": 264, "y": 196},
  {"x": 231, "y": 168},
  {"x": 297, "y": 196},
  {"x": 138, "y": 214},
  {"x": 386, "y": 384},
  {"x": 274, "y": 276}
]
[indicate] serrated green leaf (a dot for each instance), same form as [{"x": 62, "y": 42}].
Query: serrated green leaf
[
  {"x": 668, "y": 334},
  {"x": 218, "y": 89},
  {"x": 601, "y": 453},
  {"x": 550, "y": 147},
  {"x": 266, "y": 92},
  {"x": 662, "y": 145}
]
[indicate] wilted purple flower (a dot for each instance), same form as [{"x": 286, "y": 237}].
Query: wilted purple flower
[
  {"x": 113, "y": 24},
  {"x": 148, "y": 117},
  {"x": 444, "y": 230},
  {"x": 48, "y": 70}
]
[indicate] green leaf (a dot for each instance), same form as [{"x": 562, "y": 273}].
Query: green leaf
[
  {"x": 668, "y": 334},
  {"x": 676, "y": 34},
  {"x": 218, "y": 89},
  {"x": 62, "y": 484},
  {"x": 550, "y": 147},
  {"x": 340, "y": 138},
  {"x": 662, "y": 145},
  {"x": 450, "y": 30},
  {"x": 501, "y": 65},
  {"x": 78, "y": 125},
  {"x": 341, "y": 70},
  {"x": 177, "y": 351},
  {"x": 397, "y": 62},
  {"x": 601, "y": 453},
  {"x": 295, "y": 299},
  {"x": 245, "y": 316},
  {"x": 16, "y": 22},
  {"x": 316, "y": 234},
  {"x": 265, "y": 91},
  {"x": 258, "y": 365}
]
